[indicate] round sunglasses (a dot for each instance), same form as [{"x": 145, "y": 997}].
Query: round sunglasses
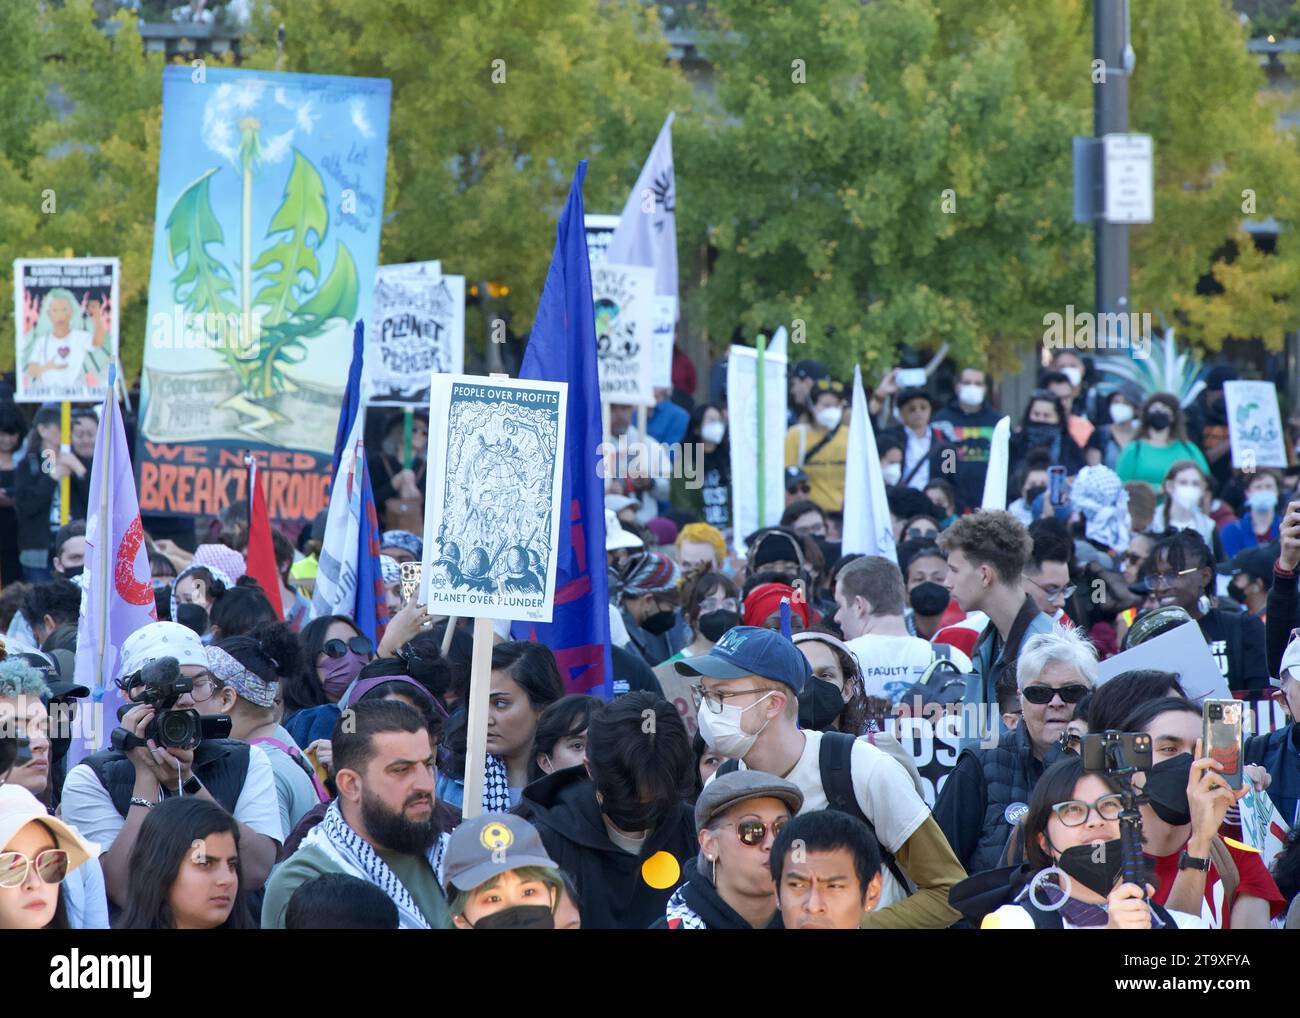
[
  {"x": 51, "y": 867},
  {"x": 1040, "y": 694},
  {"x": 752, "y": 832},
  {"x": 358, "y": 645}
]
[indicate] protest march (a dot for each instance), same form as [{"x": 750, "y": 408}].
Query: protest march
[{"x": 350, "y": 583}]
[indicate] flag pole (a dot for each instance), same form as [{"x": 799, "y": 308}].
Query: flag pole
[
  {"x": 761, "y": 347},
  {"x": 65, "y": 445}
]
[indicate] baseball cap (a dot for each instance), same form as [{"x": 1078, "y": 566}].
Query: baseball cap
[
  {"x": 58, "y": 668},
  {"x": 726, "y": 790},
  {"x": 489, "y": 845},
  {"x": 619, "y": 502},
  {"x": 750, "y": 650},
  {"x": 159, "y": 640},
  {"x": 1257, "y": 563},
  {"x": 793, "y": 476},
  {"x": 1291, "y": 658},
  {"x": 913, "y": 392},
  {"x": 811, "y": 369},
  {"x": 18, "y": 808},
  {"x": 616, "y": 537}
]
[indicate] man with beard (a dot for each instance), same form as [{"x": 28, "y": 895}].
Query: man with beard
[{"x": 382, "y": 827}]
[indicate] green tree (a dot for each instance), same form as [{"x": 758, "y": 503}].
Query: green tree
[
  {"x": 900, "y": 172},
  {"x": 493, "y": 105}
]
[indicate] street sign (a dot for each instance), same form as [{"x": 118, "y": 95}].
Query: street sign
[{"x": 1128, "y": 191}]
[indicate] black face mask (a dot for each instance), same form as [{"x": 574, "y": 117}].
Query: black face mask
[
  {"x": 820, "y": 703},
  {"x": 1041, "y": 434},
  {"x": 659, "y": 623},
  {"x": 1166, "y": 790},
  {"x": 71, "y": 572},
  {"x": 1157, "y": 420},
  {"x": 713, "y": 624},
  {"x": 1033, "y": 493},
  {"x": 1078, "y": 862},
  {"x": 633, "y": 817},
  {"x": 519, "y": 917},
  {"x": 929, "y": 598}
]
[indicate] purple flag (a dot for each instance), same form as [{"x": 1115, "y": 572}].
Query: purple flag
[{"x": 118, "y": 594}]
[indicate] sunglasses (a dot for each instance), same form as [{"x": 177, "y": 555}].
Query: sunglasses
[
  {"x": 358, "y": 645},
  {"x": 752, "y": 832},
  {"x": 1040, "y": 694},
  {"x": 799, "y": 489},
  {"x": 51, "y": 867}
]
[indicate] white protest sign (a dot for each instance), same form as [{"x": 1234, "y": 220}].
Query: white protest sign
[
  {"x": 624, "y": 299},
  {"x": 492, "y": 514},
  {"x": 598, "y": 229},
  {"x": 417, "y": 328},
  {"x": 665, "y": 329},
  {"x": 1254, "y": 425},
  {"x": 1184, "y": 652},
  {"x": 742, "y": 405}
]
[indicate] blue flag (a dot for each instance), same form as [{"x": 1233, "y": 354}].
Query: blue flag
[{"x": 562, "y": 348}]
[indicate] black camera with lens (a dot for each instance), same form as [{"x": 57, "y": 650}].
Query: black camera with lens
[{"x": 160, "y": 684}]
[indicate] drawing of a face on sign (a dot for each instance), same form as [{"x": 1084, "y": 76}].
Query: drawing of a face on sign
[
  {"x": 614, "y": 338},
  {"x": 624, "y": 302}
]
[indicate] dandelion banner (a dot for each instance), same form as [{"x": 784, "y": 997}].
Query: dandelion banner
[{"x": 266, "y": 242}]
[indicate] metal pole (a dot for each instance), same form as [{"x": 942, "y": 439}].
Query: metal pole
[{"x": 1110, "y": 45}]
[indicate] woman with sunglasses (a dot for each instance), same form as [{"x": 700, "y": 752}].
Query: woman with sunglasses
[
  {"x": 729, "y": 884},
  {"x": 37, "y": 852},
  {"x": 185, "y": 871},
  {"x": 334, "y": 651},
  {"x": 988, "y": 787},
  {"x": 1071, "y": 833}
]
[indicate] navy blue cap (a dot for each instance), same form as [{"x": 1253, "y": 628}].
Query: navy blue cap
[{"x": 751, "y": 650}]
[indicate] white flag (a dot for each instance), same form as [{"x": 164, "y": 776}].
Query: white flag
[
  {"x": 995, "y": 481},
  {"x": 647, "y": 230},
  {"x": 866, "y": 528},
  {"x": 749, "y": 470},
  {"x": 778, "y": 346}
]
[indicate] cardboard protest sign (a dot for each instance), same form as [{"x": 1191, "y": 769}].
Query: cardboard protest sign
[
  {"x": 746, "y": 445},
  {"x": 417, "y": 329},
  {"x": 270, "y": 201},
  {"x": 1254, "y": 425},
  {"x": 492, "y": 514},
  {"x": 66, "y": 318},
  {"x": 1182, "y": 651},
  {"x": 624, "y": 300}
]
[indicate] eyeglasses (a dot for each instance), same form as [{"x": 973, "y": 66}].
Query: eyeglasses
[
  {"x": 1040, "y": 694},
  {"x": 717, "y": 604},
  {"x": 358, "y": 645},
  {"x": 51, "y": 867},
  {"x": 752, "y": 832},
  {"x": 1075, "y": 812},
  {"x": 716, "y": 701},
  {"x": 1064, "y": 593},
  {"x": 1169, "y": 579}
]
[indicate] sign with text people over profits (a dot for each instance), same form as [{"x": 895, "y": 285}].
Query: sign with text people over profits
[
  {"x": 266, "y": 241},
  {"x": 492, "y": 513},
  {"x": 1254, "y": 425},
  {"x": 624, "y": 300},
  {"x": 417, "y": 328},
  {"x": 65, "y": 317}
]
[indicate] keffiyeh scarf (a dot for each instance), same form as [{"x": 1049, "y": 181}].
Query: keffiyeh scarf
[
  {"x": 680, "y": 915},
  {"x": 1099, "y": 494},
  {"x": 350, "y": 851},
  {"x": 496, "y": 786}
]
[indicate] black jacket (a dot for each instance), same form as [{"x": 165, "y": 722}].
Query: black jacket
[
  {"x": 971, "y": 433},
  {"x": 612, "y": 890},
  {"x": 702, "y": 898},
  {"x": 938, "y": 446},
  {"x": 1283, "y": 616},
  {"x": 34, "y": 492}
]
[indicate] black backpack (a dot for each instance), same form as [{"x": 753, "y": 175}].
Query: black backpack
[
  {"x": 835, "y": 762},
  {"x": 941, "y": 682}
]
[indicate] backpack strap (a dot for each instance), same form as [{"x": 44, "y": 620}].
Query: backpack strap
[
  {"x": 295, "y": 754},
  {"x": 803, "y": 442},
  {"x": 835, "y": 762},
  {"x": 942, "y": 650}
]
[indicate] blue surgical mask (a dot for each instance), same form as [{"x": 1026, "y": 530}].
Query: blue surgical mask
[{"x": 1264, "y": 501}]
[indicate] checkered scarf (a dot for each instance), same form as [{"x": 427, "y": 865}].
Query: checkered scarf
[
  {"x": 496, "y": 786},
  {"x": 680, "y": 915},
  {"x": 1099, "y": 494}
]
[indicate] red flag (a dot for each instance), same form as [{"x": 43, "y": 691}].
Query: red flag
[{"x": 259, "y": 556}]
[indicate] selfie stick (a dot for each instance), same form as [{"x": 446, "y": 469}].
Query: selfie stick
[{"x": 1132, "y": 862}]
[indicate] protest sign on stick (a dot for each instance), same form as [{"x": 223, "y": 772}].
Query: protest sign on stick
[
  {"x": 744, "y": 418},
  {"x": 624, "y": 301},
  {"x": 1254, "y": 425},
  {"x": 492, "y": 519},
  {"x": 417, "y": 327}
]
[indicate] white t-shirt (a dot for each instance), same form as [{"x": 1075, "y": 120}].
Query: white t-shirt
[
  {"x": 891, "y": 665},
  {"x": 68, "y": 353},
  {"x": 918, "y": 451},
  {"x": 88, "y": 806},
  {"x": 1015, "y": 917},
  {"x": 885, "y": 794}
]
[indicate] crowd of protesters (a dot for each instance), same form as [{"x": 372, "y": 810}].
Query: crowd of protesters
[{"x": 749, "y": 773}]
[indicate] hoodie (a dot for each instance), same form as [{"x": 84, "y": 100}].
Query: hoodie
[
  {"x": 698, "y": 905},
  {"x": 611, "y": 883}
]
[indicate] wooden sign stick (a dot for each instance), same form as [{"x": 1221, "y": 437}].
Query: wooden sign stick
[{"x": 476, "y": 741}]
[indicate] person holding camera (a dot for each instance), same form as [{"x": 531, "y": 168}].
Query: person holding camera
[
  {"x": 164, "y": 672},
  {"x": 1186, "y": 800},
  {"x": 1072, "y": 842}
]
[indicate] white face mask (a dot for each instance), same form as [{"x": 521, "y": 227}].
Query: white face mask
[
  {"x": 1264, "y": 501},
  {"x": 970, "y": 395},
  {"x": 1121, "y": 413},
  {"x": 1074, "y": 375},
  {"x": 713, "y": 431},
  {"x": 724, "y": 733},
  {"x": 892, "y": 472},
  {"x": 829, "y": 417},
  {"x": 1187, "y": 495}
]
